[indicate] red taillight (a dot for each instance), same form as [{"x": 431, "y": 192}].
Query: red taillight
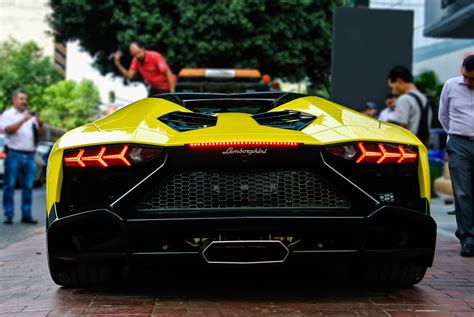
[
  {"x": 379, "y": 153},
  {"x": 369, "y": 153},
  {"x": 109, "y": 155},
  {"x": 118, "y": 158},
  {"x": 3, "y": 155},
  {"x": 408, "y": 155},
  {"x": 95, "y": 159},
  {"x": 243, "y": 144},
  {"x": 75, "y": 160}
]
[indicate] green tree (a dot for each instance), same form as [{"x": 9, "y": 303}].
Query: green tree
[
  {"x": 428, "y": 83},
  {"x": 23, "y": 65},
  {"x": 70, "y": 104},
  {"x": 289, "y": 39}
]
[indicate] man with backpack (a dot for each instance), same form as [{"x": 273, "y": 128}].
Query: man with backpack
[{"x": 412, "y": 110}]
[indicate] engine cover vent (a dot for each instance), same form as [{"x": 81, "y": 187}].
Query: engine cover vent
[
  {"x": 287, "y": 119},
  {"x": 187, "y": 121}
]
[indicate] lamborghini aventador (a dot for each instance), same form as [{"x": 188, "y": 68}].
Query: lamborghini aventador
[{"x": 251, "y": 179}]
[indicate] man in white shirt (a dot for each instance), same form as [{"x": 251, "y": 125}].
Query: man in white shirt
[
  {"x": 388, "y": 114},
  {"x": 21, "y": 128}
]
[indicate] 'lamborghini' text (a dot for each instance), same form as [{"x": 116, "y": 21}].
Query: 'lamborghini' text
[{"x": 241, "y": 151}]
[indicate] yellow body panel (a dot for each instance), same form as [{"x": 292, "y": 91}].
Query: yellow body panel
[{"x": 138, "y": 123}]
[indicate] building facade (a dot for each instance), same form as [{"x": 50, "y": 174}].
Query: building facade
[
  {"x": 441, "y": 55},
  {"x": 26, "y": 20}
]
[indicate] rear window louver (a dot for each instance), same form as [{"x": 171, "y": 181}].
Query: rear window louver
[
  {"x": 287, "y": 119},
  {"x": 187, "y": 121}
]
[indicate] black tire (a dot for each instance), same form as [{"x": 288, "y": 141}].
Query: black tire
[
  {"x": 86, "y": 275},
  {"x": 395, "y": 274}
]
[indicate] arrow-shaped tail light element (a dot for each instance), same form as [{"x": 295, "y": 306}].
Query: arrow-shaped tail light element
[
  {"x": 388, "y": 157},
  {"x": 75, "y": 160},
  {"x": 120, "y": 157},
  {"x": 103, "y": 156},
  {"x": 371, "y": 152},
  {"x": 96, "y": 159},
  {"x": 385, "y": 153},
  {"x": 406, "y": 157},
  {"x": 366, "y": 154}
]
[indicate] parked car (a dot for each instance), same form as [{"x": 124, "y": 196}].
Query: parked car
[
  {"x": 262, "y": 178},
  {"x": 40, "y": 176}
]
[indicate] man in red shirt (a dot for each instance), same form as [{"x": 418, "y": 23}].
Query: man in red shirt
[{"x": 151, "y": 65}]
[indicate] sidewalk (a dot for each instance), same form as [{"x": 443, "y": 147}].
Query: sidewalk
[{"x": 27, "y": 290}]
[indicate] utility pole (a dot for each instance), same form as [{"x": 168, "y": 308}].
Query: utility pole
[{"x": 60, "y": 55}]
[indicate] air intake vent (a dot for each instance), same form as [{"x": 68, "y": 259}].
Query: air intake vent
[
  {"x": 291, "y": 120},
  {"x": 187, "y": 121}
]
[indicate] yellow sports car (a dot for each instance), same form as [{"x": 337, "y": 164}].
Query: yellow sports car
[{"x": 254, "y": 179}]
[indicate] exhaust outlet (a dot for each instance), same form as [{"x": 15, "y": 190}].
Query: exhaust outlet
[{"x": 245, "y": 252}]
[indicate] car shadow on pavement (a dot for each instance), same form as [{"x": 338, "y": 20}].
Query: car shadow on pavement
[{"x": 247, "y": 283}]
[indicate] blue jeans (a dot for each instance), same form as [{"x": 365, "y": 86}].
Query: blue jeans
[{"x": 18, "y": 165}]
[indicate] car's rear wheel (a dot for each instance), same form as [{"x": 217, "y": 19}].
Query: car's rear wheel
[
  {"x": 398, "y": 274},
  {"x": 86, "y": 275}
]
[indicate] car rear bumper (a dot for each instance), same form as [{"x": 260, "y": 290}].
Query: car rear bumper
[{"x": 389, "y": 233}]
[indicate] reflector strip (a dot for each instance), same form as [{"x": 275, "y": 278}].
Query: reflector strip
[
  {"x": 386, "y": 154},
  {"x": 244, "y": 143},
  {"x": 366, "y": 153}
]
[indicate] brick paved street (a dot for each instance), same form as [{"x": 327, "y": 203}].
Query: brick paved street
[{"x": 27, "y": 290}]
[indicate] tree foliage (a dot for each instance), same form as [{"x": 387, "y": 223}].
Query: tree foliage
[
  {"x": 286, "y": 38},
  {"x": 24, "y": 66},
  {"x": 70, "y": 104},
  {"x": 428, "y": 83},
  {"x": 62, "y": 104}
]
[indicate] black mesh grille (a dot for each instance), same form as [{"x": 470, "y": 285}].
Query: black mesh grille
[{"x": 243, "y": 189}]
